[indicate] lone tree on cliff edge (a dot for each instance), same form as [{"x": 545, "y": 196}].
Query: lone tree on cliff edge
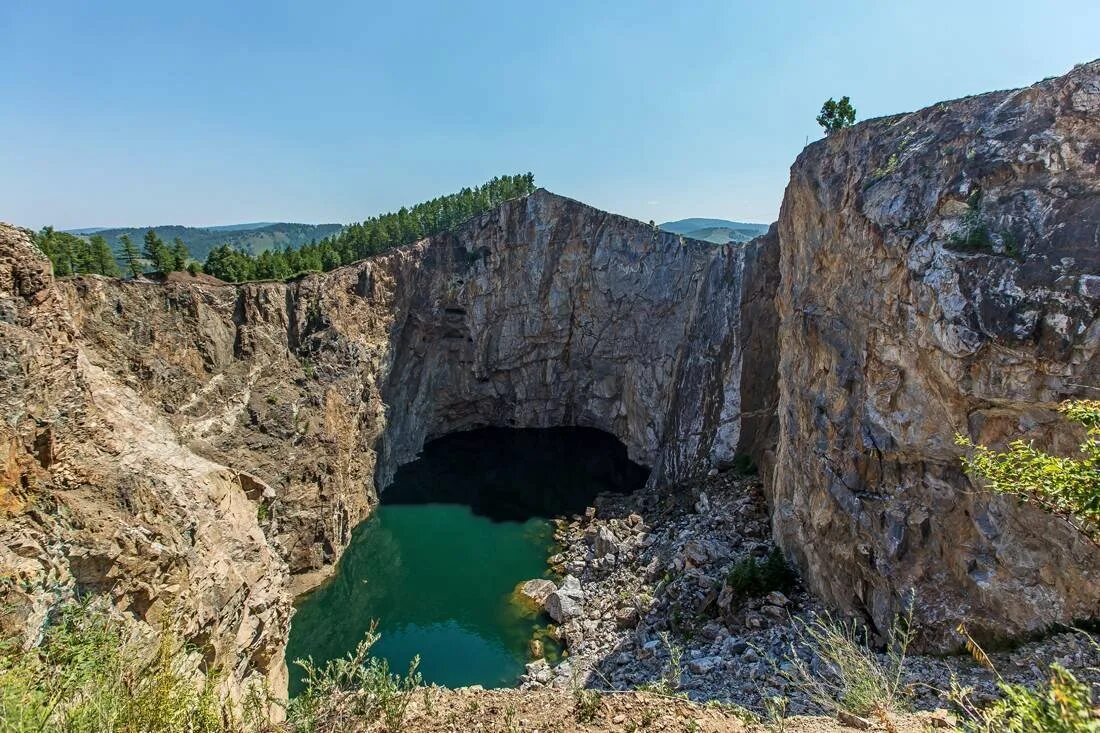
[{"x": 836, "y": 115}]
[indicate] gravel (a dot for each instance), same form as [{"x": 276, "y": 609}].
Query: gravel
[{"x": 647, "y": 582}]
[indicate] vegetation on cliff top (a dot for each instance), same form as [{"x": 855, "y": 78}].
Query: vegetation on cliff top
[
  {"x": 253, "y": 239},
  {"x": 369, "y": 237},
  {"x": 232, "y": 262},
  {"x": 836, "y": 115},
  {"x": 72, "y": 255}
]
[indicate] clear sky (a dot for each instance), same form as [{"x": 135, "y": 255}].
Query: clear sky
[{"x": 141, "y": 113}]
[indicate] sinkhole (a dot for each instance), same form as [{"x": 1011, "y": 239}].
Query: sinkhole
[{"x": 438, "y": 562}]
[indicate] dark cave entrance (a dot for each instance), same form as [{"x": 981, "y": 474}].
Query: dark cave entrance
[{"x": 514, "y": 474}]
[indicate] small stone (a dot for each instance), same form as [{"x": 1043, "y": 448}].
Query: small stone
[
  {"x": 940, "y": 718},
  {"x": 774, "y": 612},
  {"x": 853, "y": 721},
  {"x": 626, "y": 617},
  {"x": 1089, "y": 286},
  {"x": 704, "y": 665}
]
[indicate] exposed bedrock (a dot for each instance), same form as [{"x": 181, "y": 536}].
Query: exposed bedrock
[
  {"x": 896, "y": 334},
  {"x": 548, "y": 312},
  {"x": 930, "y": 273}
]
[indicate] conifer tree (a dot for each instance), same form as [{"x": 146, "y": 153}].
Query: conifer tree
[
  {"x": 130, "y": 256},
  {"x": 179, "y": 254},
  {"x": 102, "y": 259}
]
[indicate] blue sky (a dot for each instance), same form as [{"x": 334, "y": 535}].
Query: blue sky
[{"x": 120, "y": 113}]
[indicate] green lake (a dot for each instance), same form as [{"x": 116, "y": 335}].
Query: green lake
[{"x": 437, "y": 563}]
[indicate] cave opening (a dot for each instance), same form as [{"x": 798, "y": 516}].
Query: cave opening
[{"x": 439, "y": 561}]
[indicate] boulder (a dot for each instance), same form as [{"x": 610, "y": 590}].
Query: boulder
[
  {"x": 605, "y": 542},
  {"x": 567, "y": 601},
  {"x": 536, "y": 591}
]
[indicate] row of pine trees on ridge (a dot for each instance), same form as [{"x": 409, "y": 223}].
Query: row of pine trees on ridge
[{"x": 73, "y": 255}]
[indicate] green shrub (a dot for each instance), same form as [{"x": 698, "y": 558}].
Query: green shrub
[
  {"x": 1062, "y": 705},
  {"x": 355, "y": 687},
  {"x": 88, "y": 675},
  {"x": 1067, "y": 487},
  {"x": 586, "y": 705},
  {"x": 749, "y": 577}
]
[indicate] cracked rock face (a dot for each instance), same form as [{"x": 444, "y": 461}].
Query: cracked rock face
[
  {"x": 936, "y": 278},
  {"x": 98, "y": 493},
  {"x": 547, "y": 312},
  {"x": 211, "y": 446},
  {"x": 238, "y": 432}
]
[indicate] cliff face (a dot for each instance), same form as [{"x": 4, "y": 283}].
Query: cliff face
[
  {"x": 98, "y": 493},
  {"x": 940, "y": 274},
  {"x": 548, "y": 312},
  {"x": 212, "y": 446},
  {"x": 255, "y": 421},
  {"x": 543, "y": 312}
]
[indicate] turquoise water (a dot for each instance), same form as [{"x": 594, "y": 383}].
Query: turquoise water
[
  {"x": 438, "y": 562},
  {"x": 439, "y": 579}
]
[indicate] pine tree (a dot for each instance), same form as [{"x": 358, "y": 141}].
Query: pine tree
[
  {"x": 130, "y": 256},
  {"x": 102, "y": 258},
  {"x": 179, "y": 254},
  {"x": 158, "y": 253}
]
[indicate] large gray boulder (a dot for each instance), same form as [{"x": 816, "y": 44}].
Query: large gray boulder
[{"x": 567, "y": 602}]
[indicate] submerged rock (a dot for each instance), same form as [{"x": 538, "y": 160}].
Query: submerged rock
[{"x": 533, "y": 593}]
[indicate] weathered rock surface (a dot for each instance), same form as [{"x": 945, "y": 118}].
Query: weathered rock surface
[
  {"x": 310, "y": 393},
  {"x": 98, "y": 494},
  {"x": 548, "y": 312},
  {"x": 215, "y": 444},
  {"x": 895, "y": 336}
]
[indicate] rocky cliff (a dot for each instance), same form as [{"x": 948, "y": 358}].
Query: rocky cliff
[
  {"x": 209, "y": 447},
  {"x": 99, "y": 495},
  {"x": 940, "y": 274},
  {"x": 295, "y": 401}
]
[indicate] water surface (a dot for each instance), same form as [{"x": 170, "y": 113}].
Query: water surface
[
  {"x": 439, "y": 579},
  {"x": 437, "y": 564}
]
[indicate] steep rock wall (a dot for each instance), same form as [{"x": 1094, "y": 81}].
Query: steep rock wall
[
  {"x": 98, "y": 494},
  {"x": 215, "y": 444},
  {"x": 255, "y": 421},
  {"x": 547, "y": 312},
  {"x": 896, "y": 334}
]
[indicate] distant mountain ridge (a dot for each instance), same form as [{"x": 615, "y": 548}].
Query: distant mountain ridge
[
  {"x": 254, "y": 238},
  {"x": 718, "y": 231}
]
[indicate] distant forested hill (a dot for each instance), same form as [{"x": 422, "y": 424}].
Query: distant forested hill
[
  {"x": 718, "y": 231},
  {"x": 251, "y": 238}
]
